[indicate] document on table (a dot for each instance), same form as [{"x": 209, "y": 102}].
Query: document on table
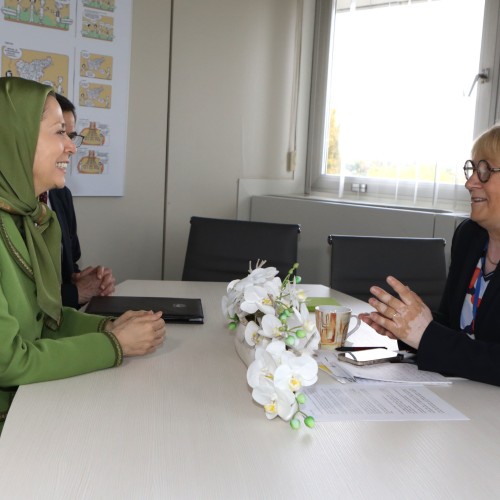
[
  {"x": 381, "y": 402},
  {"x": 386, "y": 372}
]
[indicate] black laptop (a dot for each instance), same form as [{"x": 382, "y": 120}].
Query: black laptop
[{"x": 175, "y": 310}]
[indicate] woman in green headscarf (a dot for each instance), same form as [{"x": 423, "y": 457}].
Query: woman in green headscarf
[{"x": 39, "y": 339}]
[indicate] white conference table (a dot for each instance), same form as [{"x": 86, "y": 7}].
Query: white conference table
[{"x": 181, "y": 424}]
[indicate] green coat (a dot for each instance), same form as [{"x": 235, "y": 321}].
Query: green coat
[{"x": 29, "y": 350}]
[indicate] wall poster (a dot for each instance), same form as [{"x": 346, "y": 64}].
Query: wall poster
[{"x": 82, "y": 49}]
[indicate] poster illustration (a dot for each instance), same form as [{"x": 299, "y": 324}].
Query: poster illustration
[
  {"x": 78, "y": 47},
  {"x": 107, "y": 5},
  {"x": 90, "y": 161},
  {"x": 94, "y": 95},
  {"x": 44, "y": 67},
  {"x": 94, "y": 133},
  {"x": 96, "y": 66},
  {"x": 97, "y": 25},
  {"x": 43, "y": 13}
]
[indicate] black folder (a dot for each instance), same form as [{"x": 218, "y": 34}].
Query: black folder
[{"x": 175, "y": 310}]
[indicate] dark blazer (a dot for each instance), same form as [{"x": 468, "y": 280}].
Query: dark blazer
[
  {"x": 443, "y": 347},
  {"x": 61, "y": 201}
]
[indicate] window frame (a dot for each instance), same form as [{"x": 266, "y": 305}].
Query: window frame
[{"x": 438, "y": 195}]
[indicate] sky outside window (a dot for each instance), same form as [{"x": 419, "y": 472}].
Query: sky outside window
[{"x": 400, "y": 79}]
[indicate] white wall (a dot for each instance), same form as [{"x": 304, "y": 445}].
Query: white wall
[
  {"x": 231, "y": 83},
  {"x": 231, "y": 86},
  {"x": 126, "y": 232}
]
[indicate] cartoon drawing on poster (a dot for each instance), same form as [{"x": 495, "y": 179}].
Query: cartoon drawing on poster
[
  {"x": 107, "y": 5},
  {"x": 90, "y": 161},
  {"x": 94, "y": 95},
  {"x": 44, "y": 13},
  {"x": 98, "y": 26},
  {"x": 78, "y": 48},
  {"x": 44, "y": 67},
  {"x": 94, "y": 133},
  {"x": 96, "y": 65}
]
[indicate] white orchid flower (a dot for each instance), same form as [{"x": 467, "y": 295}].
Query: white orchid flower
[
  {"x": 276, "y": 348},
  {"x": 273, "y": 287},
  {"x": 228, "y": 308},
  {"x": 297, "y": 296},
  {"x": 252, "y": 333},
  {"x": 225, "y": 306},
  {"x": 232, "y": 285},
  {"x": 304, "y": 320},
  {"x": 301, "y": 295},
  {"x": 262, "y": 275},
  {"x": 261, "y": 346},
  {"x": 276, "y": 402},
  {"x": 296, "y": 372},
  {"x": 261, "y": 369},
  {"x": 302, "y": 315},
  {"x": 308, "y": 345},
  {"x": 240, "y": 285},
  {"x": 271, "y": 327},
  {"x": 262, "y": 303},
  {"x": 257, "y": 299}
]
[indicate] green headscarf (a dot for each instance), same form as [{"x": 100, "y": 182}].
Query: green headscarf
[{"x": 21, "y": 107}]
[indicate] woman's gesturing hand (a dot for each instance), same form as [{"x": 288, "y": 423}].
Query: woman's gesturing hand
[
  {"x": 139, "y": 332},
  {"x": 404, "y": 318}
]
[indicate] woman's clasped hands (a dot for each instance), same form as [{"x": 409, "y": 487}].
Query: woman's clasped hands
[
  {"x": 93, "y": 281},
  {"x": 404, "y": 318},
  {"x": 139, "y": 332}
]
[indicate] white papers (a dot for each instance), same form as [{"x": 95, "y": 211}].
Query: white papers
[
  {"x": 384, "y": 402},
  {"x": 386, "y": 372},
  {"x": 329, "y": 364},
  {"x": 397, "y": 372}
]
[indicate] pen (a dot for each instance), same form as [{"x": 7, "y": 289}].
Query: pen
[{"x": 353, "y": 349}]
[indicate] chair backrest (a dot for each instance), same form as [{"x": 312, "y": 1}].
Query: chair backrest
[
  {"x": 221, "y": 249},
  {"x": 358, "y": 262}
]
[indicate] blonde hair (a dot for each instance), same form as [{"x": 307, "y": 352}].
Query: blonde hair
[{"x": 487, "y": 145}]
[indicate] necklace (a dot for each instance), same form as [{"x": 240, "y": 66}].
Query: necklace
[{"x": 490, "y": 261}]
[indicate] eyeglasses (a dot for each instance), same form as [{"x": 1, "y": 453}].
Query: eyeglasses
[
  {"x": 483, "y": 170},
  {"x": 77, "y": 139}
]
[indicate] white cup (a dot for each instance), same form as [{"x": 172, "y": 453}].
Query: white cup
[{"x": 333, "y": 325}]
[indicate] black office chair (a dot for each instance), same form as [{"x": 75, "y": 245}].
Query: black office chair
[
  {"x": 358, "y": 262},
  {"x": 221, "y": 249}
]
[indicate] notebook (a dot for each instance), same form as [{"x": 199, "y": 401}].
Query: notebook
[{"x": 175, "y": 310}]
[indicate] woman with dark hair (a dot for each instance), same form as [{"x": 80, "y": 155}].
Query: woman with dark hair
[
  {"x": 78, "y": 286},
  {"x": 39, "y": 339}
]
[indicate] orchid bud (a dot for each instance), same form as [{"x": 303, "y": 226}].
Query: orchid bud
[
  {"x": 295, "y": 423},
  {"x": 290, "y": 341},
  {"x": 301, "y": 398},
  {"x": 300, "y": 333},
  {"x": 310, "y": 422}
]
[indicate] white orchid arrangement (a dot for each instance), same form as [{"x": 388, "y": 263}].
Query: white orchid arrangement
[{"x": 284, "y": 335}]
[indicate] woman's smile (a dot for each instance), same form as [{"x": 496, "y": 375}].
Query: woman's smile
[{"x": 53, "y": 151}]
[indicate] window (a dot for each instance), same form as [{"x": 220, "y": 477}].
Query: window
[{"x": 397, "y": 98}]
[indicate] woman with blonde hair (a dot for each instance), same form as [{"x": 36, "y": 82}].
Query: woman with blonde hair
[{"x": 463, "y": 337}]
